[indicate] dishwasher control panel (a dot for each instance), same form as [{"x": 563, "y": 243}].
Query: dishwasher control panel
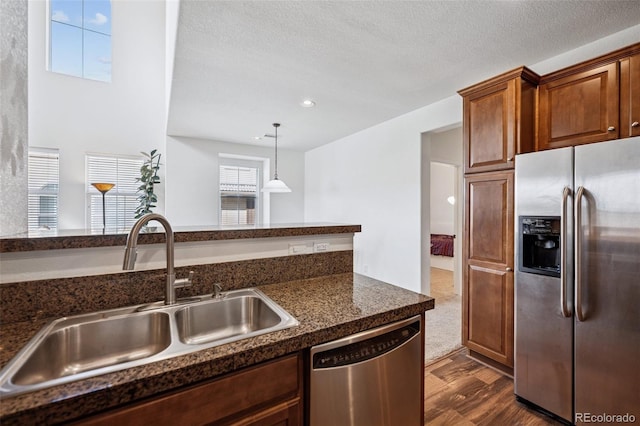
[{"x": 366, "y": 349}]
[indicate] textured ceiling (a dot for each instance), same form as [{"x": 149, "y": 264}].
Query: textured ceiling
[{"x": 242, "y": 65}]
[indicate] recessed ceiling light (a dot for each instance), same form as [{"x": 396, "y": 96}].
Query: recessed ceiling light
[
  {"x": 308, "y": 103},
  {"x": 257, "y": 138}
]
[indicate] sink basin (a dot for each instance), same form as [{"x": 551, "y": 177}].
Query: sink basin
[
  {"x": 217, "y": 320},
  {"x": 83, "y": 346},
  {"x": 73, "y": 346}
]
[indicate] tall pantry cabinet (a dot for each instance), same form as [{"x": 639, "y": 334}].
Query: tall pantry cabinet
[{"x": 498, "y": 123}]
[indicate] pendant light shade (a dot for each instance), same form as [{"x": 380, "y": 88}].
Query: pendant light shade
[{"x": 276, "y": 185}]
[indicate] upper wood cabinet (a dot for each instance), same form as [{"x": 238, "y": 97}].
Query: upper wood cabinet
[
  {"x": 580, "y": 108},
  {"x": 594, "y": 101},
  {"x": 499, "y": 120},
  {"x": 630, "y": 96}
]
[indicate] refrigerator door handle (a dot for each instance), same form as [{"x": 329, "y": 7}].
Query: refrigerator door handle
[
  {"x": 578, "y": 254},
  {"x": 563, "y": 254}
]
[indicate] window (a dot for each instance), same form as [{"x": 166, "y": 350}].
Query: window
[
  {"x": 80, "y": 38},
  {"x": 239, "y": 192},
  {"x": 121, "y": 201},
  {"x": 43, "y": 176}
]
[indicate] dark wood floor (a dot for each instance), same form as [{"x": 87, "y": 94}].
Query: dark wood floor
[{"x": 460, "y": 391}]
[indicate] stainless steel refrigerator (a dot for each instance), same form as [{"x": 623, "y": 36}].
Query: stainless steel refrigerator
[{"x": 577, "y": 281}]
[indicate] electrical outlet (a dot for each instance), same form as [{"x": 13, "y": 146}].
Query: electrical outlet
[
  {"x": 318, "y": 247},
  {"x": 298, "y": 249}
]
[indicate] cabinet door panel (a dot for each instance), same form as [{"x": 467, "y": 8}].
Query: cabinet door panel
[
  {"x": 490, "y": 218},
  {"x": 286, "y": 414},
  {"x": 630, "y": 96},
  {"x": 491, "y": 314},
  {"x": 488, "y": 264},
  {"x": 489, "y": 124},
  {"x": 580, "y": 108},
  {"x": 566, "y": 122}
]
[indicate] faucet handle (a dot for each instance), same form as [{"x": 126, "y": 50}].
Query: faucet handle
[
  {"x": 185, "y": 282},
  {"x": 217, "y": 291}
]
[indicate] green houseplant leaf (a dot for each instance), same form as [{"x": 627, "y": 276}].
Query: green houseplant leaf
[{"x": 148, "y": 179}]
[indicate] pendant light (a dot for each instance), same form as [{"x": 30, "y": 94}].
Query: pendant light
[{"x": 276, "y": 185}]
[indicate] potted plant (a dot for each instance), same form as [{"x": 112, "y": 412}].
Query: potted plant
[{"x": 148, "y": 178}]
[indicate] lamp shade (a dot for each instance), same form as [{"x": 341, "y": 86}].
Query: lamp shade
[
  {"x": 275, "y": 185},
  {"x": 103, "y": 186}
]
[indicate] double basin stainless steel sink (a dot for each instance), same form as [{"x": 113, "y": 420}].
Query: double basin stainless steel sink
[{"x": 83, "y": 346}]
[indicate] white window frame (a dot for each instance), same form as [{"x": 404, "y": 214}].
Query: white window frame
[
  {"x": 84, "y": 30},
  {"x": 230, "y": 160},
  {"x": 43, "y": 181},
  {"x": 123, "y": 170}
]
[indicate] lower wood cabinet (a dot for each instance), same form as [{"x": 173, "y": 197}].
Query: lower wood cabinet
[
  {"x": 268, "y": 394},
  {"x": 288, "y": 413},
  {"x": 488, "y": 266}
]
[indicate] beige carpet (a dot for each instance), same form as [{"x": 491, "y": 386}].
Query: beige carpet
[{"x": 443, "y": 333}]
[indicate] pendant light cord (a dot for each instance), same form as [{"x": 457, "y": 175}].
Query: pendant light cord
[{"x": 276, "y": 125}]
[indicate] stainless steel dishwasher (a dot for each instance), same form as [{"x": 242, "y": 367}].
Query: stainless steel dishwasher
[{"x": 370, "y": 378}]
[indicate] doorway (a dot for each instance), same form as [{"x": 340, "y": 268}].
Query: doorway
[{"x": 442, "y": 217}]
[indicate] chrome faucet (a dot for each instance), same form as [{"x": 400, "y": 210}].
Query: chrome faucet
[{"x": 130, "y": 254}]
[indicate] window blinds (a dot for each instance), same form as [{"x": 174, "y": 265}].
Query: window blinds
[
  {"x": 121, "y": 201},
  {"x": 43, "y": 182},
  {"x": 238, "y": 195}
]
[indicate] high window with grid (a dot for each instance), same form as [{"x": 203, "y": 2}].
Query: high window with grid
[{"x": 80, "y": 38}]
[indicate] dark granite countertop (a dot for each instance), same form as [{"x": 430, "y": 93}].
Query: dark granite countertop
[
  {"x": 66, "y": 239},
  {"x": 327, "y": 308}
]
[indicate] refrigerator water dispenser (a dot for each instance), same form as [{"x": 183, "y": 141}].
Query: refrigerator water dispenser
[{"x": 540, "y": 250}]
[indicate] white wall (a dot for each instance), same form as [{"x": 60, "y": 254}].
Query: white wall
[
  {"x": 373, "y": 178},
  {"x": 443, "y": 186},
  {"x": 171, "y": 18},
  {"x": 193, "y": 179},
  {"x": 77, "y": 116},
  {"x": 446, "y": 146}
]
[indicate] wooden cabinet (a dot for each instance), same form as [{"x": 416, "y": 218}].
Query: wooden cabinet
[
  {"x": 594, "y": 101},
  {"x": 579, "y": 108},
  {"x": 268, "y": 394},
  {"x": 498, "y": 123},
  {"x": 630, "y": 96},
  {"x": 288, "y": 413},
  {"x": 499, "y": 120},
  {"x": 488, "y": 266}
]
